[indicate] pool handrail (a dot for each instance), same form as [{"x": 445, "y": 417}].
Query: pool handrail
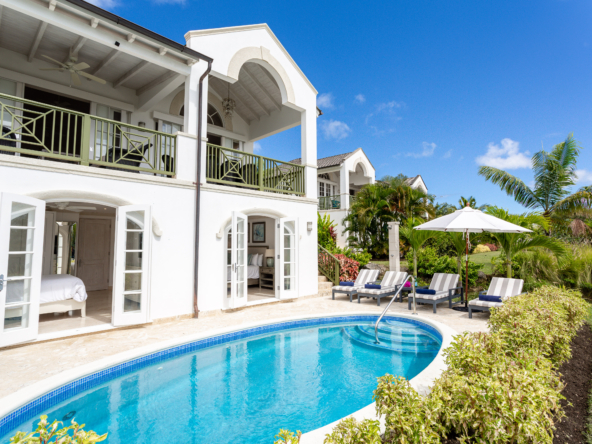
[{"x": 389, "y": 304}]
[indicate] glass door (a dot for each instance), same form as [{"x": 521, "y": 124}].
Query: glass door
[
  {"x": 288, "y": 258},
  {"x": 22, "y": 222},
  {"x": 132, "y": 265},
  {"x": 238, "y": 262}
]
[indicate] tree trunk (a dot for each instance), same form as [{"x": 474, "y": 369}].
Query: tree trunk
[
  {"x": 459, "y": 265},
  {"x": 414, "y": 263},
  {"x": 509, "y": 265}
]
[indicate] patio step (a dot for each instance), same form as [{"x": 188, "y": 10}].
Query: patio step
[
  {"x": 323, "y": 278},
  {"x": 325, "y": 288}
]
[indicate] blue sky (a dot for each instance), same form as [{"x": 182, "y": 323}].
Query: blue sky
[{"x": 424, "y": 87}]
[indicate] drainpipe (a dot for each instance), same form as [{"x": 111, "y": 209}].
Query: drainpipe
[{"x": 198, "y": 188}]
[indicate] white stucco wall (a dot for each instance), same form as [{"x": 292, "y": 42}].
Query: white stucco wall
[
  {"x": 171, "y": 276},
  {"x": 217, "y": 205}
]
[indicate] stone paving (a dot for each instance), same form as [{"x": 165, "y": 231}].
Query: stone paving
[{"x": 25, "y": 365}]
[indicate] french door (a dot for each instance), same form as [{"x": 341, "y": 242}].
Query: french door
[
  {"x": 132, "y": 265},
  {"x": 22, "y": 221},
  {"x": 237, "y": 257},
  {"x": 288, "y": 258}
]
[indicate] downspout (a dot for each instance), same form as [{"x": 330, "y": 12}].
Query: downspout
[{"x": 198, "y": 188}]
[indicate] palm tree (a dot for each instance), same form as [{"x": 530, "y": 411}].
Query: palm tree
[
  {"x": 471, "y": 202},
  {"x": 512, "y": 243},
  {"x": 460, "y": 246},
  {"x": 554, "y": 174},
  {"x": 416, "y": 238},
  {"x": 442, "y": 209}
]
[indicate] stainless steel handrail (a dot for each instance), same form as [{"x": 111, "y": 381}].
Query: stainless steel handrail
[{"x": 389, "y": 304}]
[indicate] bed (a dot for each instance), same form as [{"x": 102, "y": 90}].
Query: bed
[
  {"x": 252, "y": 270},
  {"x": 61, "y": 293}
]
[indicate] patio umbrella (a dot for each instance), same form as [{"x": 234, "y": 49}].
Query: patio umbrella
[{"x": 469, "y": 220}]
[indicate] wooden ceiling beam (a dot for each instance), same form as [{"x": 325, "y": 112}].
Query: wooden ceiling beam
[
  {"x": 217, "y": 91},
  {"x": 131, "y": 73},
  {"x": 251, "y": 76},
  {"x": 252, "y": 97},
  {"x": 77, "y": 46},
  {"x": 38, "y": 37},
  {"x": 106, "y": 61}
]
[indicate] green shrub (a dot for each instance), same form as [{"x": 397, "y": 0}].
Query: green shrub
[
  {"x": 409, "y": 417},
  {"x": 350, "y": 431},
  {"x": 543, "y": 322},
  {"x": 481, "y": 249},
  {"x": 361, "y": 257},
  {"x": 491, "y": 396},
  {"x": 46, "y": 432},
  {"x": 429, "y": 262},
  {"x": 287, "y": 437},
  {"x": 327, "y": 237}
]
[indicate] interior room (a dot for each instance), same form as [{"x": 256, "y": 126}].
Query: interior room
[{"x": 77, "y": 273}]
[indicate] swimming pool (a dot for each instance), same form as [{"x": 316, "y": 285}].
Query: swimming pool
[{"x": 242, "y": 386}]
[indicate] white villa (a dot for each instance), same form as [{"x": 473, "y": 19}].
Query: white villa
[
  {"x": 117, "y": 143},
  {"x": 340, "y": 178}
]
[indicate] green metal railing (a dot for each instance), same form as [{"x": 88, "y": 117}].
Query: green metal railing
[
  {"x": 329, "y": 203},
  {"x": 329, "y": 265},
  {"x": 34, "y": 129},
  {"x": 232, "y": 167}
]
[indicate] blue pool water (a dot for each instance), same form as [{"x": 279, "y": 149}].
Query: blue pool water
[{"x": 244, "y": 391}]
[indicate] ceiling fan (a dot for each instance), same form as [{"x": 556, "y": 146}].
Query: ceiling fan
[
  {"x": 75, "y": 69},
  {"x": 65, "y": 206}
]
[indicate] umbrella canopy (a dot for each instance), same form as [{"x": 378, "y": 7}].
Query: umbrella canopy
[{"x": 469, "y": 220}]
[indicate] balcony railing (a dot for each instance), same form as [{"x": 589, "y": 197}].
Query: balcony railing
[
  {"x": 232, "y": 167},
  {"x": 330, "y": 202},
  {"x": 36, "y": 130}
]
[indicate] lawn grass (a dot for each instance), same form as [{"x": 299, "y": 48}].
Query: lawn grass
[
  {"x": 485, "y": 260},
  {"x": 386, "y": 263}
]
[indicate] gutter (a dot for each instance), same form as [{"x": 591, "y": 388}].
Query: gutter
[{"x": 198, "y": 188}]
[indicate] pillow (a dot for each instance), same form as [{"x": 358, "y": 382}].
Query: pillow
[
  {"x": 254, "y": 259},
  {"x": 260, "y": 260},
  {"x": 373, "y": 286},
  {"x": 488, "y": 298},
  {"x": 250, "y": 259},
  {"x": 346, "y": 284},
  {"x": 425, "y": 291}
]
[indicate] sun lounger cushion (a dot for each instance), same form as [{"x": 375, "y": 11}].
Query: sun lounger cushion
[
  {"x": 374, "y": 291},
  {"x": 478, "y": 303},
  {"x": 505, "y": 287},
  {"x": 373, "y": 286},
  {"x": 484, "y": 297},
  {"x": 444, "y": 281},
  {"x": 364, "y": 277},
  {"x": 425, "y": 291},
  {"x": 346, "y": 284},
  {"x": 433, "y": 297}
]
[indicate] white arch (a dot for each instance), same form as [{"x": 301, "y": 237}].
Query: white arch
[
  {"x": 361, "y": 163},
  {"x": 263, "y": 57},
  {"x": 89, "y": 197},
  {"x": 265, "y": 212}
]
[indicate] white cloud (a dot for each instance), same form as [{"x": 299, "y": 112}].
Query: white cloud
[
  {"x": 105, "y": 4},
  {"x": 360, "y": 98},
  {"x": 325, "y": 100},
  {"x": 447, "y": 154},
  {"x": 584, "y": 177},
  {"x": 505, "y": 157},
  {"x": 334, "y": 129},
  {"x": 427, "y": 150},
  {"x": 257, "y": 147}
]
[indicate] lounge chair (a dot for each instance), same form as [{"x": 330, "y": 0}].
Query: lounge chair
[
  {"x": 389, "y": 285},
  {"x": 443, "y": 288},
  {"x": 504, "y": 288},
  {"x": 364, "y": 277}
]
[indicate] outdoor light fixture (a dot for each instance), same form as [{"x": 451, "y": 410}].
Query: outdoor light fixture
[
  {"x": 142, "y": 124},
  {"x": 228, "y": 104},
  {"x": 309, "y": 226}
]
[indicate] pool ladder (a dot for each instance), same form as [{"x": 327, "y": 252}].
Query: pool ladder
[{"x": 389, "y": 304}]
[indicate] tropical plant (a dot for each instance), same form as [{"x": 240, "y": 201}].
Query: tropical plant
[
  {"x": 470, "y": 202},
  {"x": 481, "y": 249},
  {"x": 512, "y": 243},
  {"x": 327, "y": 238},
  {"x": 429, "y": 263},
  {"x": 350, "y": 431},
  {"x": 442, "y": 209},
  {"x": 361, "y": 257},
  {"x": 554, "y": 175},
  {"x": 348, "y": 268},
  {"x": 46, "y": 432},
  {"x": 415, "y": 238},
  {"x": 287, "y": 437}
]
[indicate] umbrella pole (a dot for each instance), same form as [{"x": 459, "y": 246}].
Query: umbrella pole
[{"x": 467, "y": 273}]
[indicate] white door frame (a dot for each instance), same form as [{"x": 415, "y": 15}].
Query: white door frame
[{"x": 280, "y": 253}]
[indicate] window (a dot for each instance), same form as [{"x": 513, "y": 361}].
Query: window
[
  {"x": 214, "y": 117},
  {"x": 170, "y": 128},
  {"x": 108, "y": 136},
  {"x": 7, "y": 87},
  {"x": 321, "y": 189},
  {"x": 231, "y": 143}
]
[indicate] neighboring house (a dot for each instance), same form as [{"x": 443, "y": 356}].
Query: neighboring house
[
  {"x": 339, "y": 179},
  {"x": 101, "y": 128}
]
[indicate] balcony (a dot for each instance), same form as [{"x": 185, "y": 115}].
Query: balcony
[
  {"x": 36, "y": 130},
  {"x": 231, "y": 167},
  {"x": 332, "y": 202}
]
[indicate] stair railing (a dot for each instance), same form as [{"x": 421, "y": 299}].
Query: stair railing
[
  {"x": 329, "y": 265},
  {"x": 389, "y": 304}
]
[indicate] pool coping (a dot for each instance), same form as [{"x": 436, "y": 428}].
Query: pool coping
[{"x": 11, "y": 404}]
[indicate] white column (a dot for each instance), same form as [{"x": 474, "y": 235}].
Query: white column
[
  {"x": 186, "y": 157},
  {"x": 344, "y": 186},
  {"x": 308, "y": 141},
  {"x": 394, "y": 254}
]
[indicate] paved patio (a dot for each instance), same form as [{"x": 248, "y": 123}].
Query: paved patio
[{"x": 25, "y": 365}]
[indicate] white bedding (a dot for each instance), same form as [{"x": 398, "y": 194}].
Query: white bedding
[
  {"x": 252, "y": 272},
  {"x": 59, "y": 287}
]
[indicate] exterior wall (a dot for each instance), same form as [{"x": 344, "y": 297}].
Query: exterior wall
[
  {"x": 337, "y": 217},
  {"x": 217, "y": 205},
  {"x": 172, "y": 201}
]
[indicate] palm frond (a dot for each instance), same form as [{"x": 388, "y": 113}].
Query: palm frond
[
  {"x": 538, "y": 241},
  {"x": 579, "y": 202},
  {"x": 511, "y": 185}
]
